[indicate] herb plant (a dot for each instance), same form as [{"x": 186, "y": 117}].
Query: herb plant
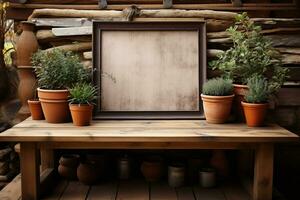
[
  {"x": 82, "y": 93},
  {"x": 259, "y": 90},
  {"x": 218, "y": 87},
  {"x": 58, "y": 69},
  {"x": 251, "y": 54}
]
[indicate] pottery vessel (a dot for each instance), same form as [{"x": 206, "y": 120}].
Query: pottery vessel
[
  {"x": 239, "y": 92},
  {"x": 176, "y": 175},
  {"x": 81, "y": 114},
  {"x": 68, "y": 166},
  {"x": 88, "y": 173},
  {"x": 152, "y": 169},
  {"x": 255, "y": 113},
  {"x": 36, "y": 109},
  {"x": 207, "y": 178},
  {"x": 217, "y": 108},
  {"x": 55, "y": 105},
  {"x": 27, "y": 44}
]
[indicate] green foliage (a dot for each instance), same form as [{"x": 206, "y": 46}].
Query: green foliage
[
  {"x": 218, "y": 87},
  {"x": 259, "y": 90},
  {"x": 251, "y": 54},
  {"x": 58, "y": 69},
  {"x": 82, "y": 93}
]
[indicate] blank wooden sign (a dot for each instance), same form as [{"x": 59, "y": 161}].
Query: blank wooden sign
[{"x": 146, "y": 71}]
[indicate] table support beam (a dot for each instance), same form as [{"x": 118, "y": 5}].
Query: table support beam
[
  {"x": 47, "y": 157},
  {"x": 263, "y": 172},
  {"x": 30, "y": 171}
]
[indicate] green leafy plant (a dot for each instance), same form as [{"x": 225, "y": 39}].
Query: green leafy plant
[
  {"x": 218, "y": 87},
  {"x": 251, "y": 54},
  {"x": 58, "y": 69},
  {"x": 259, "y": 90},
  {"x": 82, "y": 93}
]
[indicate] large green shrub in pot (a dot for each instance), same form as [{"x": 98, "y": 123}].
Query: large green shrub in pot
[
  {"x": 251, "y": 54},
  {"x": 57, "y": 71}
]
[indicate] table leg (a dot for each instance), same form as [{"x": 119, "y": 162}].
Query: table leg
[
  {"x": 47, "y": 158},
  {"x": 30, "y": 174},
  {"x": 263, "y": 172}
]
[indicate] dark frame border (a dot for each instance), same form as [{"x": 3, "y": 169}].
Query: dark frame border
[{"x": 99, "y": 26}]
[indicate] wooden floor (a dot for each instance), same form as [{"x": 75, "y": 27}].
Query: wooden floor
[{"x": 140, "y": 190}]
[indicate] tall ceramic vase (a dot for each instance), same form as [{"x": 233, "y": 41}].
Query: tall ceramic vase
[{"x": 27, "y": 45}]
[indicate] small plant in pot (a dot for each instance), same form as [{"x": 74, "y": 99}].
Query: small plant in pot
[
  {"x": 217, "y": 96},
  {"x": 57, "y": 71},
  {"x": 251, "y": 54},
  {"x": 256, "y": 101},
  {"x": 81, "y": 100}
]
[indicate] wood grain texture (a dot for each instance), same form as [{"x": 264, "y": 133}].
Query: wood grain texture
[
  {"x": 106, "y": 191},
  {"x": 164, "y": 77},
  {"x": 75, "y": 191},
  {"x": 144, "y": 131},
  {"x": 162, "y": 191},
  {"x": 211, "y": 194},
  {"x": 133, "y": 190}
]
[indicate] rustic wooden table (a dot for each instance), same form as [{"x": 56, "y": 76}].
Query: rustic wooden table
[{"x": 143, "y": 134}]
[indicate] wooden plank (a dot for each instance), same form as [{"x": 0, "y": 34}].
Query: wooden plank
[
  {"x": 13, "y": 190},
  {"x": 211, "y": 194},
  {"x": 133, "y": 190},
  {"x": 71, "y": 31},
  {"x": 233, "y": 191},
  {"x": 105, "y": 191},
  {"x": 30, "y": 171},
  {"x": 289, "y": 96},
  {"x": 47, "y": 158},
  {"x": 162, "y": 191},
  {"x": 62, "y": 22},
  {"x": 185, "y": 193},
  {"x": 263, "y": 172},
  {"x": 75, "y": 191},
  {"x": 58, "y": 191}
]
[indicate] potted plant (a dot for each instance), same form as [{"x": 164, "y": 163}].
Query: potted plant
[
  {"x": 57, "y": 71},
  {"x": 251, "y": 54},
  {"x": 256, "y": 101},
  {"x": 82, "y": 96},
  {"x": 217, "y": 96}
]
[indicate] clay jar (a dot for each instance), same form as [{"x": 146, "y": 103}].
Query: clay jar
[
  {"x": 207, "y": 178},
  {"x": 255, "y": 113},
  {"x": 81, "y": 114},
  {"x": 36, "y": 109},
  {"x": 176, "y": 175},
  {"x": 87, "y": 172},
  {"x": 55, "y": 105},
  {"x": 68, "y": 166},
  {"x": 152, "y": 168}
]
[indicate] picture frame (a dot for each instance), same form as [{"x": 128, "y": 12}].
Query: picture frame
[{"x": 115, "y": 70}]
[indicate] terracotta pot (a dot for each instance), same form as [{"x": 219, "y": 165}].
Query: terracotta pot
[
  {"x": 152, "y": 169},
  {"x": 81, "y": 114},
  {"x": 217, "y": 108},
  {"x": 88, "y": 173},
  {"x": 55, "y": 105},
  {"x": 68, "y": 166},
  {"x": 239, "y": 92},
  {"x": 255, "y": 113},
  {"x": 27, "y": 44},
  {"x": 36, "y": 109},
  {"x": 26, "y": 89}
]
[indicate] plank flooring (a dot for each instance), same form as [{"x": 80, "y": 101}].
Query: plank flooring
[{"x": 141, "y": 190}]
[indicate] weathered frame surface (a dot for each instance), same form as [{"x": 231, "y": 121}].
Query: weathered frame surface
[{"x": 198, "y": 26}]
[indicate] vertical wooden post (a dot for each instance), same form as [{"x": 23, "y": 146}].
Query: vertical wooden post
[
  {"x": 263, "y": 172},
  {"x": 47, "y": 158},
  {"x": 30, "y": 174}
]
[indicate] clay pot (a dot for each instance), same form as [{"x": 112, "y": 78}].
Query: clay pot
[
  {"x": 88, "y": 173},
  {"x": 68, "y": 166},
  {"x": 176, "y": 175},
  {"x": 36, "y": 109},
  {"x": 81, "y": 114},
  {"x": 26, "y": 86},
  {"x": 27, "y": 44},
  {"x": 217, "y": 108},
  {"x": 55, "y": 105},
  {"x": 255, "y": 113},
  {"x": 207, "y": 178},
  {"x": 152, "y": 169},
  {"x": 239, "y": 92}
]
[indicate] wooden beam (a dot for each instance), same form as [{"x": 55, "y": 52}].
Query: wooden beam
[
  {"x": 263, "y": 172},
  {"x": 62, "y": 22},
  {"x": 30, "y": 171},
  {"x": 71, "y": 31},
  {"x": 81, "y": 46}
]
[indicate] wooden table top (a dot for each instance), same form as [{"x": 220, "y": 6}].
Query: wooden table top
[{"x": 145, "y": 131}]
